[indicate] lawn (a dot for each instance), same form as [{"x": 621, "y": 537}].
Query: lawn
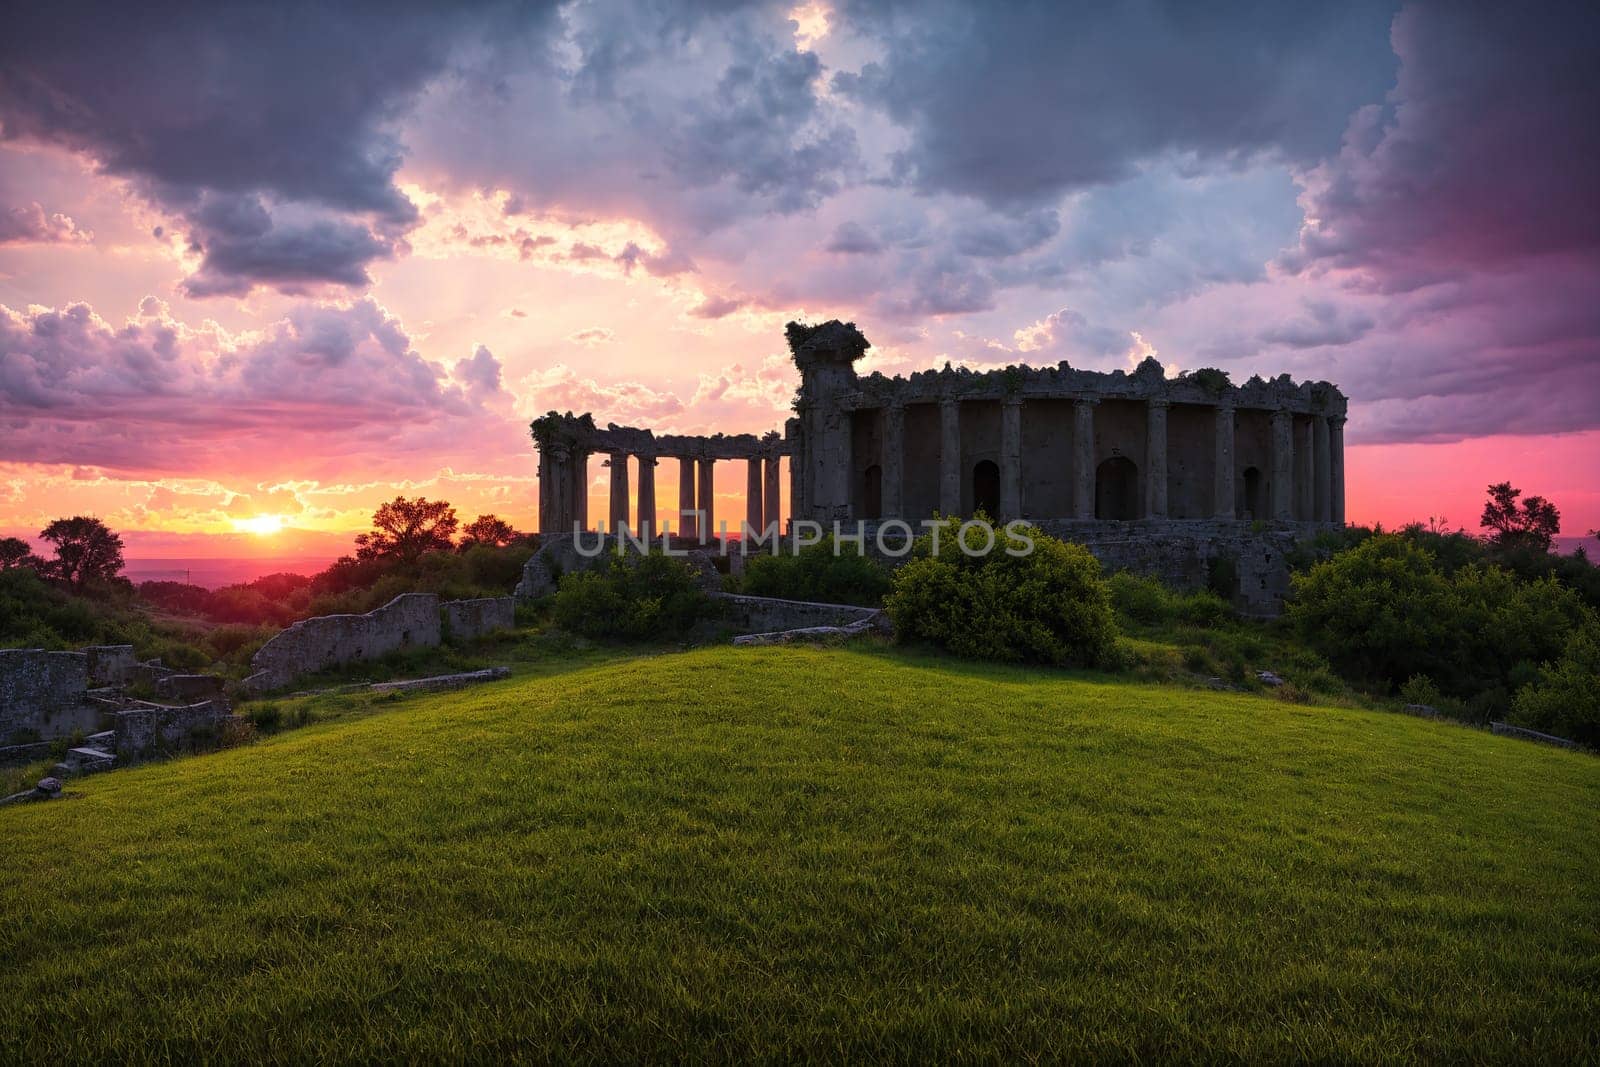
[{"x": 795, "y": 853}]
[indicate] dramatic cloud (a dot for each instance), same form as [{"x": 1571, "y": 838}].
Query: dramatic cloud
[
  {"x": 30, "y": 225},
  {"x": 156, "y": 394},
  {"x": 1486, "y": 151},
  {"x": 228, "y": 115},
  {"x": 1466, "y": 199},
  {"x": 1018, "y": 104}
]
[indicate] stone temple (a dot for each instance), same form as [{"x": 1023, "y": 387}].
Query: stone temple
[{"x": 1192, "y": 478}]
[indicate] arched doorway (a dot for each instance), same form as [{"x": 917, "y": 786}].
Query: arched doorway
[
  {"x": 1116, "y": 489},
  {"x": 872, "y": 492},
  {"x": 986, "y": 488},
  {"x": 1247, "y": 504}
]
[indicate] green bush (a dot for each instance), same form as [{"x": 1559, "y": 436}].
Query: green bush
[
  {"x": 1565, "y": 700},
  {"x": 1385, "y": 611},
  {"x": 1146, "y": 601},
  {"x": 635, "y": 598},
  {"x": 1049, "y": 606},
  {"x": 817, "y": 573}
]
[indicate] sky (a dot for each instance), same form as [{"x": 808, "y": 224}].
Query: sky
[{"x": 263, "y": 267}]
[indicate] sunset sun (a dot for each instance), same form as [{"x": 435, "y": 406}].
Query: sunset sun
[{"x": 261, "y": 525}]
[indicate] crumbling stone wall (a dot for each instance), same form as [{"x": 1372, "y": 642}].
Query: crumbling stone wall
[
  {"x": 146, "y": 730},
  {"x": 41, "y": 693},
  {"x": 467, "y": 619},
  {"x": 410, "y": 620}
]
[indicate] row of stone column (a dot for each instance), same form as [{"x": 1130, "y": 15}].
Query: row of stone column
[
  {"x": 1307, "y": 475},
  {"x": 696, "y": 494}
]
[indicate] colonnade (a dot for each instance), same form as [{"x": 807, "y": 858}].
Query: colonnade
[
  {"x": 1307, "y": 462},
  {"x": 697, "y": 517}
]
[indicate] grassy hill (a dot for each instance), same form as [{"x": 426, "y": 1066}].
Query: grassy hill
[{"x": 787, "y": 852}]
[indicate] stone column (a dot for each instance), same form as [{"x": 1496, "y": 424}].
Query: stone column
[
  {"x": 771, "y": 499},
  {"x": 1155, "y": 458},
  {"x": 1304, "y": 476},
  {"x": 688, "y": 525},
  {"x": 799, "y": 506},
  {"x": 1222, "y": 482},
  {"x": 949, "y": 456},
  {"x": 894, "y": 460},
  {"x": 1324, "y": 469},
  {"x": 619, "y": 489},
  {"x": 1083, "y": 459},
  {"x": 1010, "y": 458},
  {"x": 647, "y": 496},
  {"x": 555, "y": 499},
  {"x": 752, "y": 494},
  {"x": 1282, "y": 466},
  {"x": 1336, "y": 469},
  {"x": 706, "y": 500},
  {"x": 580, "y": 489}
]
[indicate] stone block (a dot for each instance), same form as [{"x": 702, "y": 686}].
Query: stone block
[
  {"x": 146, "y": 729},
  {"x": 110, "y": 664},
  {"x": 40, "y": 693}
]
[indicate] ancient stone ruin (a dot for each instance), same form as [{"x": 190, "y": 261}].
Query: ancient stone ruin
[
  {"x": 45, "y": 696},
  {"x": 1161, "y": 475},
  {"x": 410, "y": 620}
]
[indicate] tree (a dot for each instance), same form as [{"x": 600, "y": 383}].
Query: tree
[
  {"x": 1531, "y": 524},
  {"x": 488, "y": 530},
  {"x": 15, "y": 552},
  {"x": 405, "y": 529},
  {"x": 86, "y": 551}
]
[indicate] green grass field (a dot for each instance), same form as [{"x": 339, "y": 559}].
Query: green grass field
[{"x": 784, "y": 853}]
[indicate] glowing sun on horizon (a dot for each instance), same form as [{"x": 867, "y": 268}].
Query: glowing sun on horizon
[{"x": 260, "y": 525}]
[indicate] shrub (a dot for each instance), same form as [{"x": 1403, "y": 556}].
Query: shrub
[
  {"x": 1145, "y": 600},
  {"x": 1565, "y": 700},
  {"x": 1049, "y": 606},
  {"x": 635, "y": 598},
  {"x": 1385, "y": 611},
  {"x": 1419, "y": 689},
  {"x": 817, "y": 573}
]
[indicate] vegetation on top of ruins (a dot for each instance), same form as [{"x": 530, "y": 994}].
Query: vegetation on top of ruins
[
  {"x": 858, "y": 852},
  {"x": 1212, "y": 380}
]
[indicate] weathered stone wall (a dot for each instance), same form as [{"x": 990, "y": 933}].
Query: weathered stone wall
[
  {"x": 467, "y": 619},
  {"x": 110, "y": 664},
  {"x": 759, "y": 614},
  {"x": 410, "y": 620},
  {"x": 146, "y": 730},
  {"x": 41, "y": 693},
  {"x": 1181, "y": 555}
]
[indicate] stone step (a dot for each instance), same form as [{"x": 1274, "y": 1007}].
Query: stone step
[
  {"x": 88, "y": 760},
  {"x": 106, "y": 739}
]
